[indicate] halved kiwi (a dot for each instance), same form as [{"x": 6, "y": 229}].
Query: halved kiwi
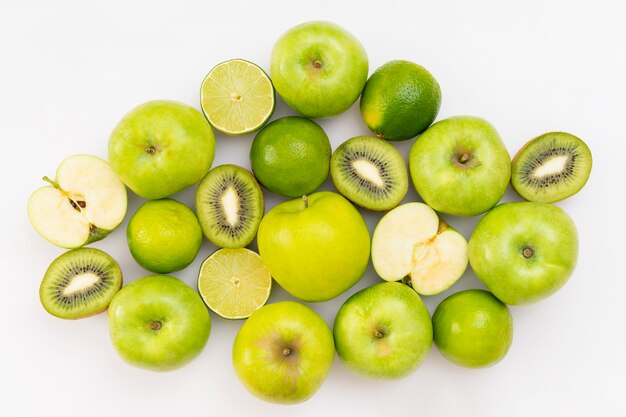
[
  {"x": 551, "y": 167},
  {"x": 229, "y": 205},
  {"x": 370, "y": 172},
  {"x": 80, "y": 283}
]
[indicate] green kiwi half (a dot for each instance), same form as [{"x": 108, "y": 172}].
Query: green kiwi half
[
  {"x": 80, "y": 283},
  {"x": 370, "y": 172},
  {"x": 551, "y": 167},
  {"x": 229, "y": 205}
]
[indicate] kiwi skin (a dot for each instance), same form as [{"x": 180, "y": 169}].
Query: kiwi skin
[
  {"x": 207, "y": 222},
  {"x": 352, "y": 192},
  {"x": 552, "y": 192},
  {"x": 61, "y": 260}
]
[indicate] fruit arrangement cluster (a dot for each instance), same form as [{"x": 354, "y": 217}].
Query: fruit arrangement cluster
[{"x": 317, "y": 245}]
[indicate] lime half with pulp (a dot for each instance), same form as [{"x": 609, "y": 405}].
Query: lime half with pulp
[
  {"x": 237, "y": 97},
  {"x": 234, "y": 283}
]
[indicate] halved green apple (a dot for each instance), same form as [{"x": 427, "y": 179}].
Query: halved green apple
[
  {"x": 411, "y": 243},
  {"x": 83, "y": 204}
]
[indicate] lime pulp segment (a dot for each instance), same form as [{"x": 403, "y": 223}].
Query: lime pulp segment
[
  {"x": 234, "y": 283},
  {"x": 237, "y": 97}
]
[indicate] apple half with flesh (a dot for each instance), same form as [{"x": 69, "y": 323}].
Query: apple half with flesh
[
  {"x": 413, "y": 244},
  {"x": 84, "y": 203}
]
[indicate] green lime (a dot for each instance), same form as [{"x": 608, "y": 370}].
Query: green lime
[
  {"x": 473, "y": 328},
  {"x": 234, "y": 283},
  {"x": 237, "y": 97},
  {"x": 400, "y": 100},
  {"x": 291, "y": 156},
  {"x": 164, "y": 236}
]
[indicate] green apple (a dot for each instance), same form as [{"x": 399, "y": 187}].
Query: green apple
[
  {"x": 318, "y": 68},
  {"x": 283, "y": 352},
  {"x": 158, "y": 323},
  {"x": 411, "y": 243},
  {"x": 460, "y": 166},
  {"x": 315, "y": 247},
  {"x": 472, "y": 328},
  {"x": 84, "y": 203},
  {"x": 161, "y": 147},
  {"x": 383, "y": 331},
  {"x": 524, "y": 252}
]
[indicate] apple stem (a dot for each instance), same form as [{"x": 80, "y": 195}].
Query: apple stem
[
  {"x": 378, "y": 333},
  {"x": 305, "y": 199},
  {"x": 53, "y": 183},
  {"x": 151, "y": 150},
  {"x": 155, "y": 325},
  {"x": 464, "y": 158},
  {"x": 527, "y": 252},
  {"x": 318, "y": 64},
  {"x": 286, "y": 351}
]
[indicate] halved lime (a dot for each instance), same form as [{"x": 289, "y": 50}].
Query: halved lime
[
  {"x": 234, "y": 283},
  {"x": 237, "y": 97}
]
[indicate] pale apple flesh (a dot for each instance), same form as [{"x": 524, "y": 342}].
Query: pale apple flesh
[
  {"x": 412, "y": 244},
  {"x": 85, "y": 203}
]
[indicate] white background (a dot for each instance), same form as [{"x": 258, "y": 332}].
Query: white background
[{"x": 70, "y": 70}]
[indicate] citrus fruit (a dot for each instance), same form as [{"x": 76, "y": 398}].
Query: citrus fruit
[
  {"x": 400, "y": 100},
  {"x": 237, "y": 97},
  {"x": 234, "y": 283},
  {"x": 291, "y": 156},
  {"x": 164, "y": 236},
  {"x": 473, "y": 328}
]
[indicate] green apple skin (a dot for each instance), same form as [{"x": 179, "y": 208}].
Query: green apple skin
[
  {"x": 383, "y": 331},
  {"x": 472, "y": 328},
  {"x": 315, "y": 249},
  {"x": 158, "y": 323},
  {"x": 283, "y": 352},
  {"x": 319, "y": 68},
  {"x": 524, "y": 252},
  {"x": 161, "y": 147},
  {"x": 460, "y": 166}
]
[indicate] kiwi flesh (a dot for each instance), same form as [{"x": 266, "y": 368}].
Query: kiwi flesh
[
  {"x": 370, "y": 172},
  {"x": 80, "y": 283},
  {"x": 229, "y": 205},
  {"x": 551, "y": 167}
]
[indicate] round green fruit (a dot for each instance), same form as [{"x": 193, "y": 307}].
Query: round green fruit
[
  {"x": 158, "y": 323},
  {"x": 291, "y": 156},
  {"x": 283, "y": 352},
  {"x": 383, "y": 331},
  {"x": 400, "y": 100},
  {"x": 161, "y": 147},
  {"x": 315, "y": 247},
  {"x": 460, "y": 166},
  {"x": 524, "y": 252},
  {"x": 164, "y": 236},
  {"x": 473, "y": 328},
  {"x": 318, "y": 68}
]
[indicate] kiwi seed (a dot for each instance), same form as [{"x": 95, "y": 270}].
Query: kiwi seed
[
  {"x": 370, "y": 172},
  {"x": 80, "y": 283},
  {"x": 551, "y": 167},
  {"x": 229, "y": 205}
]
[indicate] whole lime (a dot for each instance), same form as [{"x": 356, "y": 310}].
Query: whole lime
[
  {"x": 400, "y": 100},
  {"x": 291, "y": 156},
  {"x": 473, "y": 328},
  {"x": 164, "y": 236}
]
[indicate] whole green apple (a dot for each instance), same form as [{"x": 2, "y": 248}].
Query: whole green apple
[
  {"x": 472, "y": 328},
  {"x": 315, "y": 247},
  {"x": 161, "y": 147},
  {"x": 524, "y": 252},
  {"x": 383, "y": 331},
  {"x": 460, "y": 166},
  {"x": 283, "y": 352},
  {"x": 318, "y": 68},
  {"x": 158, "y": 323}
]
